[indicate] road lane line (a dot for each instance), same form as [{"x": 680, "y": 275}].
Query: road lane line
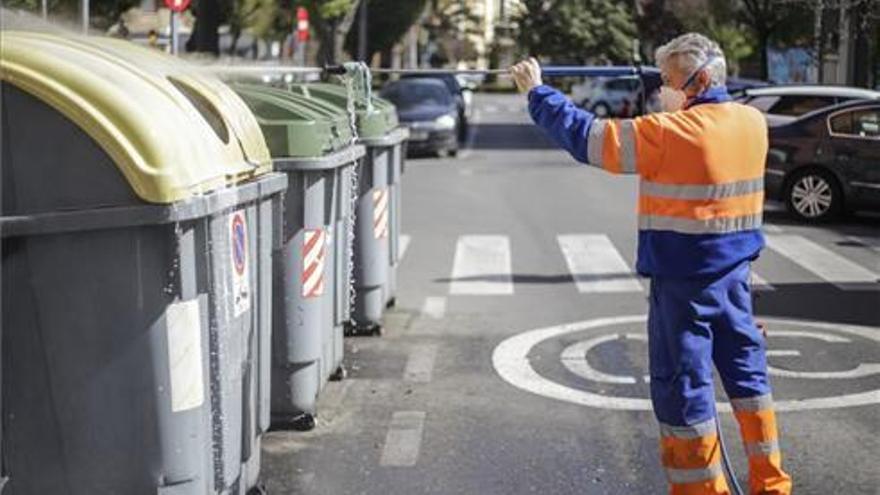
[
  {"x": 596, "y": 265},
  {"x": 821, "y": 261},
  {"x": 434, "y": 307},
  {"x": 404, "y": 243},
  {"x": 482, "y": 266},
  {"x": 404, "y": 439},
  {"x": 783, "y": 353},
  {"x": 420, "y": 364}
]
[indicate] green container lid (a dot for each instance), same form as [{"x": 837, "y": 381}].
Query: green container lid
[
  {"x": 376, "y": 124},
  {"x": 173, "y": 134},
  {"x": 296, "y": 126}
]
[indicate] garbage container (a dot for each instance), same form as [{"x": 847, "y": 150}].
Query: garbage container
[
  {"x": 137, "y": 221},
  {"x": 377, "y": 240},
  {"x": 312, "y": 143}
]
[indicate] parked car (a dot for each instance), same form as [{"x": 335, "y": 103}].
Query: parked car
[
  {"x": 783, "y": 104},
  {"x": 429, "y": 109},
  {"x": 463, "y": 94},
  {"x": 827, "y": 161},
  {"x": 614, "y": 97}
]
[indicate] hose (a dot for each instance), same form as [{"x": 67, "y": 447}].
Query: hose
[{"x": 725, "y": 459}]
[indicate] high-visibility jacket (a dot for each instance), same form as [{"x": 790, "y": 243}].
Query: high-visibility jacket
[{"x": 701, "y": 191}]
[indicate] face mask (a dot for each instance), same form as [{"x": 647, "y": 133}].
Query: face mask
[{"x": 672, "y": 99}]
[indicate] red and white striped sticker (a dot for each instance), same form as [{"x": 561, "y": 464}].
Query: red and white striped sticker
[
  {"x": 314, "y": 253},
  {"x": 380, "y": 213}
]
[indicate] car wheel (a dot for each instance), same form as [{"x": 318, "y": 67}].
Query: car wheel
[
  {"x": 814, "y": 195},
  {"x": 601, "y": 110}
]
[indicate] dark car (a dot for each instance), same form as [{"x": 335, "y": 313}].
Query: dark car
[
  {"x": 428, "y": 108},
  {"x": 827, "y": 161},
  {"x": 458, "y": 92}
]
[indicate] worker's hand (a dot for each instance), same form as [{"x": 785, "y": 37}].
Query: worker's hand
[{"x": 527, "y": 74}]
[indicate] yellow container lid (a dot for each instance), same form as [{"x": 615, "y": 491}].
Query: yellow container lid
[{"x": 174, "y": 132}]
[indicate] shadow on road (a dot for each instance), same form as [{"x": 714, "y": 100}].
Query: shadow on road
[
  {"x": 523, "y": 136},
  {"x": 822, "y": 302},
  {"x": 859, "y": 305},
  {"x": 536, "y": 279},
  {"x": 862, "y": 224}
]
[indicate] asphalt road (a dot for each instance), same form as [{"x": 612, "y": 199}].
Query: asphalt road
[{"x": 426, "y": 410}]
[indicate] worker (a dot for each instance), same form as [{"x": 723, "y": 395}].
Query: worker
[{"x": 701, "y": 168}]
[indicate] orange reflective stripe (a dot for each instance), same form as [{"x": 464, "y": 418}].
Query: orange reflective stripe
[
  {"x": 715, "y": 486},
  {"x": 703, "y": 209},
  {"x": 689, "y": 453},
  {"x": 611, "y": 147}
]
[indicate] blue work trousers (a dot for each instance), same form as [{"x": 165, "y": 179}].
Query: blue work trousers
[{"x": 693, "y": 323}]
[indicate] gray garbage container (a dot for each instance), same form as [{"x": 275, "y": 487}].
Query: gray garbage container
[
  {"x": 377, "y": 238},
  {"x": 137, "y": 221},
  {"x": 311, "y": 142}
]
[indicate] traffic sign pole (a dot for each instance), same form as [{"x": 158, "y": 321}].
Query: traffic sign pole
[{"x": 174, "y": 47}]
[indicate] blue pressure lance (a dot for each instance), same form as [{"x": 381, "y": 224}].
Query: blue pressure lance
[{"x": 650, "y": 76}]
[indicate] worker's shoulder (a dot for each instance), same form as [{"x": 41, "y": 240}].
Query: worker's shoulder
[{"x": 713, "y": 114}]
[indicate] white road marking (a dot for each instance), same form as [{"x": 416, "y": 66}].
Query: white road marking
[
  {"x": 783, "y": 352},
  {"x": 760, "y": 283},
  {"x": 860, "y": 371},
  {"x": 511, "y": 362},
  {"x": 434, "y": 307},
  {"x": 420, "y": 364},
  {"x": 482, "y": 266},
  {"x": 772, "y": 229},
  {"x": 404, "y": 243},
  {"x": 574, "y": 357},
  {"x": 596, "y": 265},
  {"x": 404, "y": 439},
  {"x": 823, "y": 262}
]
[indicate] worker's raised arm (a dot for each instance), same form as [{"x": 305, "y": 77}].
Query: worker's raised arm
[
  {"x": 629, "y": 146},
  {"x": 619, "y": 146}
]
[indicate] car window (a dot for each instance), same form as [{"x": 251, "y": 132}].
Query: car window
[
  {"x": 798, "y": 105},
  {"x": 622, "y": 84},
  {"x": 860, "y": 123},
  {"x": 762, "y": 103},
  {"x": 411, "y": 94}
]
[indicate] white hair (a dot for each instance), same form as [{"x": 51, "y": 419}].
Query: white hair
[{"x": 689, "y": 51}]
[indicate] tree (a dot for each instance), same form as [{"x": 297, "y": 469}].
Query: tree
[
  {"x": 209, "y": 15},
  {"x": 718, "y": 20},
  {"x": 769, "y": 19},
  {"x": 577, "y": 31},
  {"x": 387, "y": 22},
  {"x": 331, "y": 19}
]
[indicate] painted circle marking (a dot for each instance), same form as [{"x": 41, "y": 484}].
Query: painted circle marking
[
  {"x": 511, "y": 361},
  {"x": 239, "y": 243}
]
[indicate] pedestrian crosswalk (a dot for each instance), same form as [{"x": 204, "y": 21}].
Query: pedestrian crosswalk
[
  {"x": 483, "y": 265},
  {"x": 596, "y": 265}
]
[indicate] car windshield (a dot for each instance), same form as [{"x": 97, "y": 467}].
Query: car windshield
[{"x": 412, "y": 93}]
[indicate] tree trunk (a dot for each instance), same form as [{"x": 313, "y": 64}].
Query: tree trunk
[
  {"x": 204, "y": 37},
  {"x": 763, "y": 46}
]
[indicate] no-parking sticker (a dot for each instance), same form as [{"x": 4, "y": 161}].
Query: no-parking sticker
[{"x": 241, "y": 295}]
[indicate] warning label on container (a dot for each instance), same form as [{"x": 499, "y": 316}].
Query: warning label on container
[
  {"x": 241, "y": 296},
  {"x": 184, "y": 330}
]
